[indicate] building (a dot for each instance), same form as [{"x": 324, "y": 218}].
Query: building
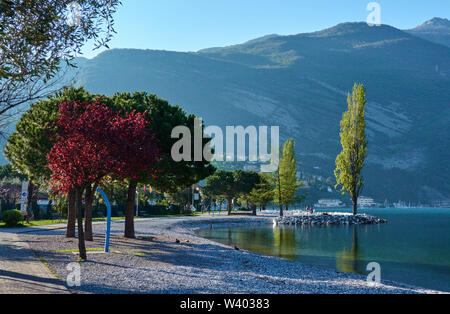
[
  {"x": 254, "y": 168},
  {"x": 365, "y": 201},
  {"x": 329, "y": 203}
]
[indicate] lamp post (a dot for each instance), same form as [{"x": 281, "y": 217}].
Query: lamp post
[
  {"x": 196, "y": 195},
  {"x": 137, "y": 203},
  {"x": 108, "y": 219}
]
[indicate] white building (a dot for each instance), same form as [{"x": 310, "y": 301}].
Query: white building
[
  {"x": 329, "y": 203},
  {"x": 254, "y": 168},
  {"x": 365, "y": 201}
]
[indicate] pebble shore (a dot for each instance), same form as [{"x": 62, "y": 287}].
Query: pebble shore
[{"x": 168, "y": 257}]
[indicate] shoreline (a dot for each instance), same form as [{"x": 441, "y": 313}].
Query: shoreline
[{"x": 169, "y": 257}]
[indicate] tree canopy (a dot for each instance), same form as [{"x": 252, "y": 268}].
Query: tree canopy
[
  {"x": 222, "y": 184},
  {"x": 92, "y": 141},
  {"x": 172, "y": 176},
  {"x": 27, "y": 147}
]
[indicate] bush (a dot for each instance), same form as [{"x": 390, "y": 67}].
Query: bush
[
  {"x": 12, "y": 218},
  {"x": 244, "y": 209}
]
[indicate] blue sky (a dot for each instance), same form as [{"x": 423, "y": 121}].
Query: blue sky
[{"x": 190, "y": 25}]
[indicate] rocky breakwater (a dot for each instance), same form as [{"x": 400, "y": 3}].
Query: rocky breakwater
[{"x": 329, "y": 219}]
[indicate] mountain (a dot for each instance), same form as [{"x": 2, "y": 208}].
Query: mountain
[
  {"x": 300, "y": 83},
  {"x": 436, "y": 30}
]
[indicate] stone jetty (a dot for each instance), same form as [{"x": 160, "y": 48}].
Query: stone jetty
[{"x": 329, "y": 219}]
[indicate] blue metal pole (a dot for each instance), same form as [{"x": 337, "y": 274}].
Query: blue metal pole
[{"x": 108, "y": 219}]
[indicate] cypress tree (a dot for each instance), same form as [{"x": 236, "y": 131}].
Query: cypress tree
[{"x": 350, "y": 161}]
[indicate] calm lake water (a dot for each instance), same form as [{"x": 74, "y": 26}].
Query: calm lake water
[{"x": 414, "y": 248}]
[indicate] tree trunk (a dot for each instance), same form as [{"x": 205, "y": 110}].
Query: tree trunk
[
  {"x": 253, "y": 209},
  {"x": 71, "y": 213},
  {"x": 129, "y": 210},
  {"x": 79, "y": 207},
  {"x": 279, "y": 193},
  {"x": 89, "y": 199},
  {"x": 229, "y": 206},
  {"x": 355, "y": 206}
]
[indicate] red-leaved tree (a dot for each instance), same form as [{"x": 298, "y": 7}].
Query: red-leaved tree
[
  {"x": 91, "y": 142},
  {"x": 135, "y": 158}
]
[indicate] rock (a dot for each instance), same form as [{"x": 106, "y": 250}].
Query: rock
[{"x": 329, "y": 219}]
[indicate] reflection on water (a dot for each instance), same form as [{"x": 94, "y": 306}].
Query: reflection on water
[
  {"x": 412, "y": 248},
  {"x": 347, "y": 260}
]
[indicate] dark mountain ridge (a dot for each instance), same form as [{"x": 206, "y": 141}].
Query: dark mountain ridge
[{"x": 300, "y": 83}]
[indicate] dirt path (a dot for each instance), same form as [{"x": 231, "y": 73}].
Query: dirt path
[{"x": 21, "y": 272}]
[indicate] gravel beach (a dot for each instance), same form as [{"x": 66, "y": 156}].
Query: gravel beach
[{"x": 168, "y": 257}]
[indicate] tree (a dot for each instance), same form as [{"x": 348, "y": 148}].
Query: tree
[
  {"x": 181, "y": 198},
  {"x": 245, "y": 182},
  {"x": 171, "y": 176},
  {"x": 78, "y": 157},
  {"x": 91, "y": 142},
  {"x": 350, "y": 162},
  {"x": 27, "y": 147},
  {"x": 222, "y": 184},
  {"x": 136, "y": 157},
  {"x": 263, "y": 193},
  {"x": 7, "y": 172},
  {"x": 36, "y": 37},
  {"x": 285, "y": 179}
]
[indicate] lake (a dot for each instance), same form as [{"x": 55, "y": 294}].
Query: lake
[{"x": 413, "y": 248}]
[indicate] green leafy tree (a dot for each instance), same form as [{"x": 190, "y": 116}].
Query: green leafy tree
[
  {"x": 222, "y": 185},
  {"x": 350, "y": 161},
  {"x": 263, "y": 193},
  {"x": 169, "y": 176},
  {"x": 245, "y": 182},
  {"x": 37, "y": 37},
  {"x": 285, "y": 179},
  {"x": 7, "y": 172},
  {"x": 27, "y": 147},
  {"x": 180, "y": 198}
]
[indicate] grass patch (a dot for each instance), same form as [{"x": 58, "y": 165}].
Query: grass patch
[
  {"x": 3, "y": 226},
  {"x": 48, "y": 266},
  {"x": 76, "y": 251},
  {"x": 49, "y": 222}
]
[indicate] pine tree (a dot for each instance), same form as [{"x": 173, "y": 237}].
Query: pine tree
[
  {"x": 263, "y": 193},
  {"x": 28, "y": 146},
  {"x": 350, "y": 161}
]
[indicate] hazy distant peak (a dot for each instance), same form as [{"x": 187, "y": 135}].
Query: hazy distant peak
[
  {"x": 434, "y": 24},
  {"x": 261, "y": 39},
  {"x": 436, "y": 30},
  {"x": 349, "y": 28},
  {"x": 250, "y": 42}
]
